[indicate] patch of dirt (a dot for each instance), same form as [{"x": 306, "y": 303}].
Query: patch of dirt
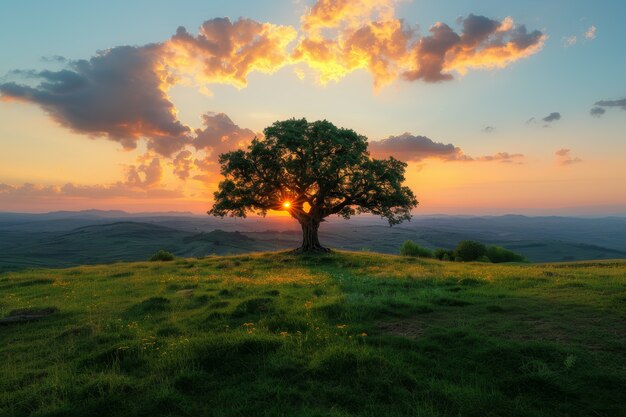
[
  {"x": 402, "y": 328},
  {"x": 411, "y": 328},
  {"x": 185, "y": 293}
]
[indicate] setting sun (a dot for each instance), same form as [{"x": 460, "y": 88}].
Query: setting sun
[{"x": 287, "y": 204}]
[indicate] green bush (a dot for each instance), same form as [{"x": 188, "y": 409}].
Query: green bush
[
  {"x": 162, "y": 255},
  {"x": 409, "y": 248},
  {"x": 443, "y": 254},
  {"x": 499, "y": 254},
  {"x": 470, "y": 250}
]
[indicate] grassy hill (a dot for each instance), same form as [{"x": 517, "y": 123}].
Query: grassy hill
[{"x": 346, "y": 334}]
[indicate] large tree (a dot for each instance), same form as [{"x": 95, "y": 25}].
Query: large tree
[{"x": 311, "y": 170}]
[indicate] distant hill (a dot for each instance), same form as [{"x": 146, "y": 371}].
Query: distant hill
[
  {"x": 113, "y": 242},
  {"x": 75, "y": 238}
]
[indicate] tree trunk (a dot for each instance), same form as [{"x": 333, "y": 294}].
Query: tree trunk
[{"x": 310, "y": 241}]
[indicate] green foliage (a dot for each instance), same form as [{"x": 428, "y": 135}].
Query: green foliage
[
  {"x": 469, "y": 250},
  {"x": 315, "y": 164},
  {"x": 483, "y": 258},
  {"x": 409, "y": 248},
  {"x": 350, "y": 334},
  {"x": 443, "y": 254},
  {"x": 499, "y": 254},
  {"x": 162, "y": 255}
]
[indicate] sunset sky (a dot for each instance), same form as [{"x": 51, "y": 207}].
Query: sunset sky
[{"x": 498, "y": 106}]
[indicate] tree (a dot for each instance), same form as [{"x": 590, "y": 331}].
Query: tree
[
  {"x": 311, "y": 170},
  {"x": 470, "y": 250}
]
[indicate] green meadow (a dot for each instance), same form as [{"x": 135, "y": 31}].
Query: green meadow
[{"x": 344, "y": 334}]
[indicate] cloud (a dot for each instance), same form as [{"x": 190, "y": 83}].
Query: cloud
[
  {"x": 600, "y": 106},
  {"x": 504, "y": 157},
  {"x": 612, "y": 103},
  {"x": 410, "y": 148},
  {"x": 226, "y": 52},
  {"x": 218, "y": 135},
  {"x": 145, "y": 175},
  {"x": 140, "y": 181},
  {"x": 488, "y": 129},
  {"x": 570, "y": 41},
  {"x": 564, "y": 157},
  {"x": 591, "y": 32},
  {"x": 121, "y": 93},
  {"x": 597, "y": 111},
  {"x": 183, "y": 163},
  {"x": 117, "y": 94},
  {"x": 482, "y": 44},
  {"x": 554, "y": 116},
  {"x": 29, "y": 192},
  {"x": 365, "y": 34}
]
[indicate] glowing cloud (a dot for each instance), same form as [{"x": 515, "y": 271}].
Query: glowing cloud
[
  {"x": 482, "y": 44},
  {"x": 226, "y": 52},
  {"x": 365, "y": 34}
]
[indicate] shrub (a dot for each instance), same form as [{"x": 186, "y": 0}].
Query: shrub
[
  {"x": 470, "y": 250},
  {"x": 409, "y": 248},
  {"x": 162, "y": 255},
  {"x": 443, "y": 254},
  {"x": 497, "y": 254}
]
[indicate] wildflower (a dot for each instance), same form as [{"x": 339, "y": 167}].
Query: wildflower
[
  {"x": 284, "y": 334},
  {"x": 363, "y": 334},
  {"x": 342, "y": 326},
  {"x": 248, "y": 324}
]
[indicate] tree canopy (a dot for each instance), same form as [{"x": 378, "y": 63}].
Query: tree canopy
[{"x": 312, "y": 170}]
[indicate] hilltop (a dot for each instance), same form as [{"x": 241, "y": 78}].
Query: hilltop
[{"x": 346, "y": 334}]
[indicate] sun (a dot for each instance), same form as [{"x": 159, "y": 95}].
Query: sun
[{"x": 287, "y": 204}]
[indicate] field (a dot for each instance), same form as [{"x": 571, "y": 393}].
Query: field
[{"x": 346, "y": 334}]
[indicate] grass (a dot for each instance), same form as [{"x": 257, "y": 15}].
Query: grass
[{"x": 346, "y": 334}]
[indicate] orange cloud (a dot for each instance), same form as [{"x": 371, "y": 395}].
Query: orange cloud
[
  {"x": 341, "y": 36},
  {"x": 226, "y": 52},
  {"x": 351, "y": 13},
  {"x": 366, "y": 35},
  {"x": 482, "y": 44}
]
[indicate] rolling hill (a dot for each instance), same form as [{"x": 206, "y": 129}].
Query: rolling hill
[{"x": 62, "y": 239}]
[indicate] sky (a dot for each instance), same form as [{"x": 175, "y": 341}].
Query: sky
[{"x": 497, "y": 106}]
